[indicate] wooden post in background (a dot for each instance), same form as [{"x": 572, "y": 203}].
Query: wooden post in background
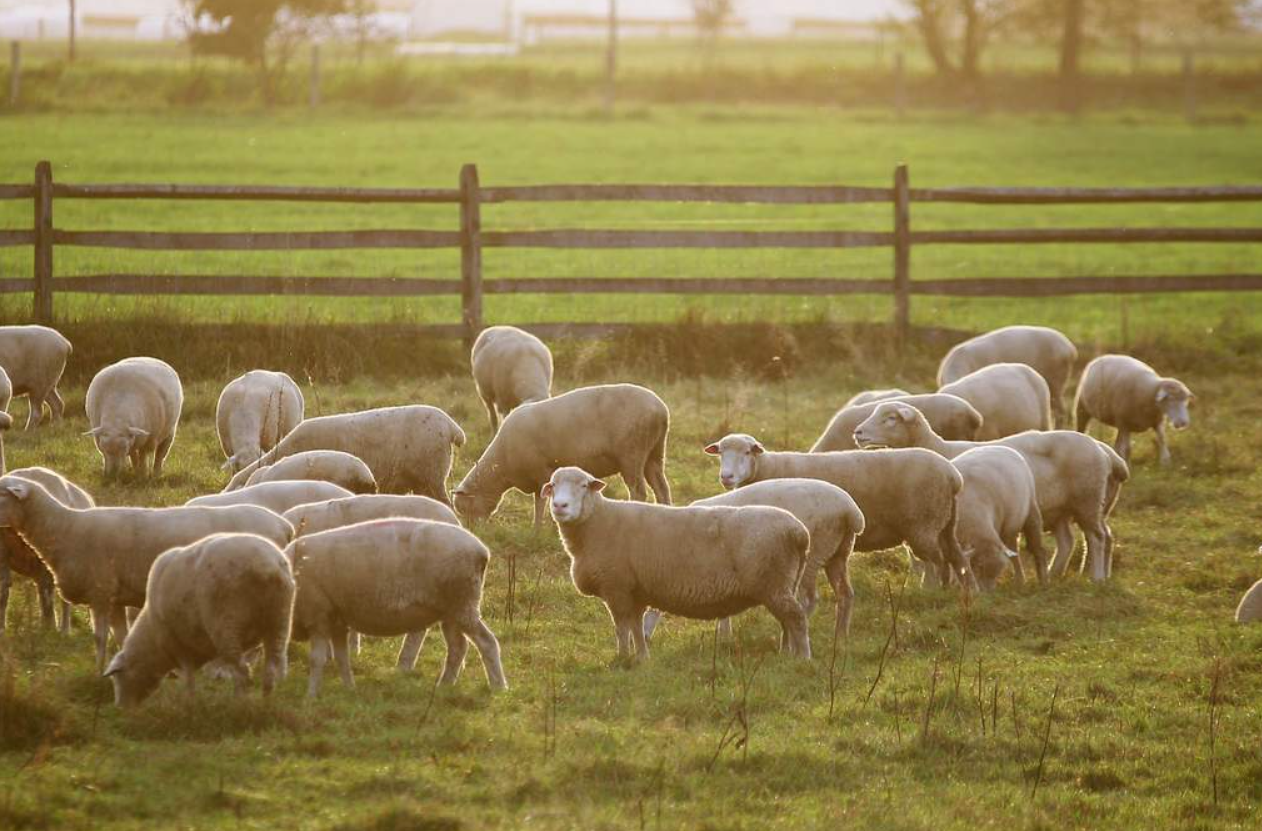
[
  {"x": 902, "y": 255},
  {"x": 15, "y": 72},
  {"x": 43, "y": 301},
  {"x": 470, "y": 253},
  {"x": 313, "y": 95}
]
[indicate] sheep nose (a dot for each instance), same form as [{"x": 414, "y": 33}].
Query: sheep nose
[{"x": 559, "y": 506}]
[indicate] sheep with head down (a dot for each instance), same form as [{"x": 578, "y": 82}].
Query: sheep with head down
[
  {"x": 1128, "y": 394},
  {"x": 34, "y": 358},
  {"x": 510, "y": 367},
  {"x": 134, "y": 409},
  {"x": 255, "y": 411}
]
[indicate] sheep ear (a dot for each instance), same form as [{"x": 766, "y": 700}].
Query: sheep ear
[
  {"x": 759, "y": 449},
  {"x": 138, "y": 433},
  {"x": 1162, "y": 394},
  {"x": 115, "y": 666},
  {"x": 546, "y": 490},
  {"x": 906, "y": 413},
  {"x": 712, "y": 449},
  {"x": 596, "y": 485},
  {"x": 17, "y": 489},
  {"x": 228, "y": 464}
]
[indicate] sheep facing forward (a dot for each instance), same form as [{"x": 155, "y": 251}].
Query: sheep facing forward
[
  {"x": 254, "y": 412},
  {"x": 695, "y": 562},
  {"x": 609, "y": 429},
  {"x": 334, "y": 466},
  {"x": 392, "y": 577},
  {"x": 950, "y": 415},
  {"x": 1129, "y": 395},
  {"x": 1046, "y": 350},
  {"x": 213, "y": 600},
  {"x": 510, "y": 367},
  {"x": 134, "y": 409},
  {"x": 100, "y": 557},
  {"x": 1011, "y": 398},
  {"x": 35, "y": 358}
]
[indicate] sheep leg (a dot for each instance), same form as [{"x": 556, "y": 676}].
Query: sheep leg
[
  {"x": 1064, "y": 534},
  {"x": 55, "y": 403},
  {"x": 6, "y": 582},
  {"x": 1083, "y": 418},
  {"x": 160, "y": 454},
  {"x": 637, "y": 635},
  {"x": 44, "y": 584},
  {"x": 275, "y": 656},
  {"x": 637, "y": 487},
  {"x": 723, "y": 628},
  {"x": 541, "y": 507},
  {"x": 137, "y": 462},
  {"x": 651, "y": 617},
  {"x": 319, "y": 657},
  {"x": 793, "y": 624},
  {"x": 411, "y": 650},
  {"x": 1163, "y": 451},
  {"x": 341, "y": 654},
  {"x": 119, "y": 624},
  {"x": 1096, "y": 552},
  {"x": 35, "y": 415},
  {"x": 352, "y": 638},
  {"x": 655, "y": 472},
  {"x": 491, "y": 415},
  {"x": 457, "y": 648},
  {"x": 1033, "y": 533},
  {"x": 838, "y": 571},
  {"x": 67, "y": 617},
  {"x": 1011, "y": 554},
  {"x": 1122, "y": 444},
  {"x": 101, "y": 633},
  {"x": 489, "y": 648}
]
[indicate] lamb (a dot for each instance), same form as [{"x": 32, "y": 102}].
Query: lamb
[
  {"x": 834, "y": 522},
  {"x": 314, "y": 517},
  {"x": 510, "y": 367},
  {"x": 998, "y": 502},
  {"x": 212, "y": 600},
  {"x": 407, "y": 448},
  {"x": 319, "y": 465},
  {"x": 17, "y": 556},
  {"x": 1012, "y": 398},
  {"x": 1077, "y": 478},
  {"x": 1129, "y": 395},
  {"x": 905, "y": 497},
  {"x": 391, "y": 577},
  {"x": 134, "y": 409},
  {"x": 255, "y": 411},
  {"x": 35, "y": 358},
  {"x": 100, "y": 557},
  {"x": 277, "y": 497},
  {"x": 869, "y": 396},
  {"x": 696, "y": 562},
  {"x": 950, "y": 415},
  {"x": 1047, "y": 351},
  {"x": 614, "y": 428}
]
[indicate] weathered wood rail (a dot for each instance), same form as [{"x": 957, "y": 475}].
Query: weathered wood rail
[{"x": 471, "y": 239}]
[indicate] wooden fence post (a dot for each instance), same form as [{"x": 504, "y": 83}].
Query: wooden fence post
[
  {"x": 470, "y": 253},
  {"x": 43, "y": 301},
  {"x": 15, "y": 72},
  {"x": 902, "y": 255}
]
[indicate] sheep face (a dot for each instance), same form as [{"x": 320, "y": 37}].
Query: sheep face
[
  {"x": 13, "y": 492},
  {"x": 244, "y": 457},
  {"x": 571, "y": 490},
  {"x": 115, "y": 444},
  {"x": 1173, "y": 399},
  {"x": 131, "y": 686},
  {"x": 890, "y": 425},
  {"x": 738, "y": 458},
  {"x": 474, "y": 507}
]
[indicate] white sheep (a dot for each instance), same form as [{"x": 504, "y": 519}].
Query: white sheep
[
  {"x": 609, "y": 429},
  {"x": 905, "y": 496},
  {"x": 407, "y": 448},
  {"x": 870, "y": 396},
  {"x": 510, "y": 367},
  {"x": 999, "y": 502},
  {"x": 6, "y": 394},
  {"x": 834, "y": 522},
  {"x": 314, "y": 517},
  {"x": 278, "y": 497},
  {"x": 1048, "y": 351},
  {"x": 1078, "y": 479},
  {"x": 18, "y": 556},
  {"x": 255, "y": 411},
  {"x": 950, "y": 415},
  {"x": 215, "y": 599},
  {"x": 695, "y": 562},
  {"x": 100, "y": 557},
  {"x": 319, "y": 465},
  {"x": 1011, "y": 398},
  {"x": 1250, "y": 608},
  {"x": 1128, "y": 394},
  {"x": 392, "y": 577},
  {"x": 134, "y": 409},
  {"x": 35, "y": 358}
]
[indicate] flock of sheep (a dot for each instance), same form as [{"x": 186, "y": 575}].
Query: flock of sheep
[{"x": 342, "y": 525}]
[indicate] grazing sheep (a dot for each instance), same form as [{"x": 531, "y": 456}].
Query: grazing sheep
[
  {"x": 510, "y": 367},
  {"x": 998, "y": 502},
  {"x": 213, "y": 600},
  {"x": 134, "y": 409},
  {"x": 614, "y": 428},
  {"x": 17, "y": 556},
  {"x": 1048, "y": 351},
  {"x": 34, "y": 358},
  {"x": 870, "y": 396},
  {"x": 1012, "y": 398},
  {"x": 1250, "y": 608},
  {"x": 100, "y": 557},
  {"x": 1129, "y": 395},
  {"x": 314, "y": 517},
  {"x": 696, "y": 562},
  {"x": 406, "y": 448},
  {"x": 392, "y": 577},
  {"x": 277, "y": 497},
  {"x": 6, "y": 394},
  {"x": 319, "y": 465},
  {"x": 950, "y": 415},
  {"x": 255, "y": 411},
  {"x": 905, "y": 496},
  {"x": 834, "y": 522},
  {"x": 1078, "y": 479}
]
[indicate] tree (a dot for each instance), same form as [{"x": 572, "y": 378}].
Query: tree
[
  {"x": 976, "y": 20},
  {"x": 710, "y": 18},
  {"x": 262, "y": 33}
]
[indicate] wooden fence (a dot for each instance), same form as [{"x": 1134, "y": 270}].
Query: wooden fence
[{"x": 471, "y": 239}]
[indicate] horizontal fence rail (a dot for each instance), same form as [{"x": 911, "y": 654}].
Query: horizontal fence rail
[{"x": 468, "y": 236}]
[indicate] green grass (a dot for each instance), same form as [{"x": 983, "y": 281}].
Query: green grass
[{"x": 1132, "y": 659}]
